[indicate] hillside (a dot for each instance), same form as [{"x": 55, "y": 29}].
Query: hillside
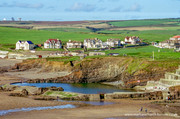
[{"x": 128, "y": 71}]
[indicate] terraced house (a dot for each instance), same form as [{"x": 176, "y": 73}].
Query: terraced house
[
  {"x": 114, "y": 42},
  {"x": 53, "y": 44},
  {"x": 74, "y": 44},
  {"x": 93, "y": 43}
]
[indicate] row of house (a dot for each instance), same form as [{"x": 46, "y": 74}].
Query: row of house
[
  {"x": 172, "y": 43},
  {"x": 88, "y": 43}
]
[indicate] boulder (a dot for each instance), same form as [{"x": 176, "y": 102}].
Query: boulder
[
  {"x": 1, "y": 89},
  {"x": 24, "y": 92}
]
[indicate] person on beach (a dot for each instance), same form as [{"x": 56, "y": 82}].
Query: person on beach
[
  {"x": 146, "y": 110},
  {"x": 141, "y": 109},
  {"x": 57, "y": 98}
]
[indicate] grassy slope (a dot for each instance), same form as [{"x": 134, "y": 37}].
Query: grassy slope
[
  {"x": 12, "y": 35},
  {"x": 146, "y": 52}
]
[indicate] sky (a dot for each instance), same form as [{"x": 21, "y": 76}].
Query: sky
[{"x": 78, "y": 10}]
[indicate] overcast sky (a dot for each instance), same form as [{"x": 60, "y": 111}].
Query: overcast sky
[{"x": 73, "y": 10}]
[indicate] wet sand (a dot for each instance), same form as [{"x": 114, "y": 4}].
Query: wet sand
[
  {"x": 117, "y": 111},
  {"x": 9, "y": 102}
]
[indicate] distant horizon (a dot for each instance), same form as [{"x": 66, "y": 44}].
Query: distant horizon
[
  {"x": 94, "y": 20},
  {"x": 83, "y": 10}
]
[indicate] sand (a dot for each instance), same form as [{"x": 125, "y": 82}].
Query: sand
[
  {"x": 36, "y": 74},
  {"x": 8, "y": 79},
  {"x": 8, "y": 62},
  {"x": 118, "y": 110}
]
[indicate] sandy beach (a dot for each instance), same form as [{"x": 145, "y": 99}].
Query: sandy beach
[{"x": 123, "y": 109}]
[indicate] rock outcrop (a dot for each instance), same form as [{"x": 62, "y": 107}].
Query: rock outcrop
[{"x": 128, "y": 70}]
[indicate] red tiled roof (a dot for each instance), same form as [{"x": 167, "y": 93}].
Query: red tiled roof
[
  {"x": 178, "y": 36},
  {"x": 55, "y": 40}
]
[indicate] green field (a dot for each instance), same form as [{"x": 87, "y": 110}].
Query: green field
[
  {"x": 146, "y": 35},
  {"x": 68, "y": 29},
  {"x": 147, "y": 52},
  {"x": 153, "y": 22},
  {"x": 12, "y": 35}
]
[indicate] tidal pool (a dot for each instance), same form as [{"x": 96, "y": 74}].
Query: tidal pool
[{"x": 92, "y": 88}]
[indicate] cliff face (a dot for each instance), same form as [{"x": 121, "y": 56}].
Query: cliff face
[{"x": 127, "y": 70}]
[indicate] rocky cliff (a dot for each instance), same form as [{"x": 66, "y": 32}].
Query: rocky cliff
[{"x": 128, "y": 71}]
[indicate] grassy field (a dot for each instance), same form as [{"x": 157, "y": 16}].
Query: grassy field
[
  {"x": 170, "y": 27},
  {"x": 147, "y": 52},
  {"x": 68, "y": 29},
  {"x": 12, "y": 35},
  {"x": 63, "y": 59},
  {"x": 153, "y": 22},
  {"x": 146, "y": 35}
]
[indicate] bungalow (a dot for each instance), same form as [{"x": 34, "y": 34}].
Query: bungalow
[
  {"x": 132, "y": 40},
  {"x": 24, "y": 45},
  {"x": 93, "y": 43},
  {"x": 53, "y": 43},
  {"x": 114, "y": 42},
  {"x": 74, "y": 44}
]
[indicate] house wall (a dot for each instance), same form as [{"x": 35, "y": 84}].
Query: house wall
[
  {"x": 24, "y": 46},
  {"x": 53, "y": 45},
  {"x": 17, "y": 46},
  {"x": 46, "y": 45}
]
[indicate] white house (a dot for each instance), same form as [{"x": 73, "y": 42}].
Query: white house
[
  {"x": 93, "y": 43},
  {"x": 113, "y": 42},
  {"x": 132, "y": 40},
  {"x": 24, "y": 45},
  {"x": 173, "y": 42},
  {"x": 74, "y": 44},
  {"x": 53, "y": 44}
]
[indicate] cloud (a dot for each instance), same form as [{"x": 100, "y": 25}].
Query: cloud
[
  {"x": 134, "y": 8},
  {"x": 117, "y": 9},
  {"x": 101, "y": 9},
  {"x": 81, "y": 7},
  {"x": 22, "y": 5}
]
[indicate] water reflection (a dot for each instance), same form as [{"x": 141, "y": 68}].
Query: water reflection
[{"x": 91, "y": 102}]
